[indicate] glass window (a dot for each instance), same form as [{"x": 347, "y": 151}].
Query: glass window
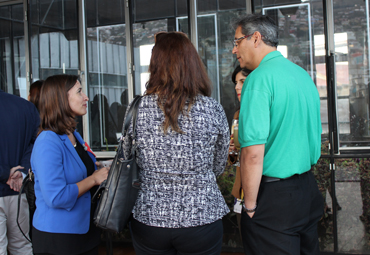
[
  {"x": 144, "y": 31},
  {"x": 215, "y": 37},
  {"x": 107, "y": 74},
  {"x": 351, "y": 28},
  {"x": 6, "y": 81},
  {"x": 56, "y": 14},
  {"x": 12, "y": 44},
  {"x": 143, "y": 37},
  {"x": 182, "y": 8},
  {"x": 105, "y": 12},
  {"x": 229, "y": 5},
  {"x": 148, "y": 10},
  {"x": 17, "y": 12},
  {"x": 206, "y": 6},
  {"x": 54, "y": 30},
  {"x": 19, "y": 60},
  {"x": 54, "y": 40},
  {"x": 5, "y": 12}
]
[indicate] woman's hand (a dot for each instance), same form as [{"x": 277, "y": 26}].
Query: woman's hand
[
  {"x": 98, "y": 164},
  {"x": 100, "y": 175},
  {"x": 95, "y": 179}
]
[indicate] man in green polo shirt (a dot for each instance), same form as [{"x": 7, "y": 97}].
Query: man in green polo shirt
[{"x": 280, "y": 137}]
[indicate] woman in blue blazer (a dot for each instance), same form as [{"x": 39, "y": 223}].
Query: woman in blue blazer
[{"x": 65, "y": 173}]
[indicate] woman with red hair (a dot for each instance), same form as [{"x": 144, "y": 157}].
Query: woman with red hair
[{"x": 182, "y": 145}]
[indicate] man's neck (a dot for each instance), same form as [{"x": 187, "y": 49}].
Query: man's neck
[{"x": 263, "y": 53}]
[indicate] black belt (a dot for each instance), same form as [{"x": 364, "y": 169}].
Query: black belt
[{"x": 274, "y": 179}]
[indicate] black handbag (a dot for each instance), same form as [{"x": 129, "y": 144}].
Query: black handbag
[
  {"x": 117, "y": 195},
  {"x": 28, "y": 188}
]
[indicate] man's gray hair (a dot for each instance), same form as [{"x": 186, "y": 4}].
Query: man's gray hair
[{"x": 261, "y": 23}]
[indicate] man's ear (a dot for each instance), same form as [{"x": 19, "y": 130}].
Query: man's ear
[{"x": 257, "y": 37}]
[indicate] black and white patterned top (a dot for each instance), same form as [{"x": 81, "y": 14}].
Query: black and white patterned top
[{"x": 178, "y": 171}]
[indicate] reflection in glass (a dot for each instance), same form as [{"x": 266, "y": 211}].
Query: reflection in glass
[
  {"x": 143, "y": 37},
  {"x": 208, "y": 49},
  {"x": 107, "y": 79},
  {"x": 351, "y": 27},
  {"x": 325, "y": 226},
  {"x": 12, "y": 44},
  {"x": 54, "y": 38},
  {"x": 294, "y": 22}
]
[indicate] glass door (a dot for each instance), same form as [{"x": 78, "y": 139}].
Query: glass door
[
  {"x": 352, "y": 176},
  {"x": 208, "y": 48},
  {"x": 351, "y": 34},
  {"x": 107, "y": 72},
  {"x": 148, "y": 20},
  {"x": 143, "y": 42}
]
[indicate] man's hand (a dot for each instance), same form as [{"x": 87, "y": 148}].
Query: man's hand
[
  {"x": 15, "y": 178},
  {"x": 251, "y": 214}
]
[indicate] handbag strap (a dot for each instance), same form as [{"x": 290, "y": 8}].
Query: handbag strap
[
  {"x": 132, "y": 114},
  {"x": 26, "y": 181}
]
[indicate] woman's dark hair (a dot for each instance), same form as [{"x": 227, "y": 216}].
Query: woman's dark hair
[
  {"x": 238, "y": 69},
  {"x": 177, "y": 76},
  {"x": 35, "y": 89},
  {"x": 55, "y": 112}
]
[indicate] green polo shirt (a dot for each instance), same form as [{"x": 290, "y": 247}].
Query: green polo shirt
[{"x": 280, "y": 107}]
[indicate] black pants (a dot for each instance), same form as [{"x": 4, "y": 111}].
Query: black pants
[
  {"x": 94, "y": 251},
  {"x": 286, "y": 218},
  {"x": 202, "y": 240}
]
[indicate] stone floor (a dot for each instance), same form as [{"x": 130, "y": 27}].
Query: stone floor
[{"x": 353, "y": 237}]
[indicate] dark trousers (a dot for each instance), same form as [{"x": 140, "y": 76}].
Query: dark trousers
[
  {"x": 286, "y": 218},
  {"x": 94, "y": 251},
  {"x": 202, "y": 240}
]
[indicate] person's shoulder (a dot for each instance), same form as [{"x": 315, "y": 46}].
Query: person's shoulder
[
  {"x": 149, "y": 99},
  {"x": 209, "y": 103},
  {"x": 11, "y": 99},
  {"x": 47, "y": 135},
  {"x": 4, "y": 95},
  {"x": 47, "y": 144},
  {"x": 205, "y": 99}
]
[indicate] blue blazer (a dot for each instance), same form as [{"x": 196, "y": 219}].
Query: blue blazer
[{"x": 57, "y": 168}]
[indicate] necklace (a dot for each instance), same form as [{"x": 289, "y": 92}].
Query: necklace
[{"x": 75, "y": 145}]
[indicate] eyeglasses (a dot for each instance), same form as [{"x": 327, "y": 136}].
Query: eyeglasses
[{"x": 235, "y": 42}]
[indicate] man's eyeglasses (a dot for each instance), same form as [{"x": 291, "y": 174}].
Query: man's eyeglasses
[{"x": 236, "y": 41}]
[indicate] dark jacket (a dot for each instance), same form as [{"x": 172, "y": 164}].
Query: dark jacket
[{"x": 18, "y": 130}]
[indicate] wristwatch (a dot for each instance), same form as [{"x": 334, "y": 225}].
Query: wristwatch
[{"x": 245, "y": 209}]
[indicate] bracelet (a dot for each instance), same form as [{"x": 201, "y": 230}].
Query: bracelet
[{"x": 245, "y": 209}]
